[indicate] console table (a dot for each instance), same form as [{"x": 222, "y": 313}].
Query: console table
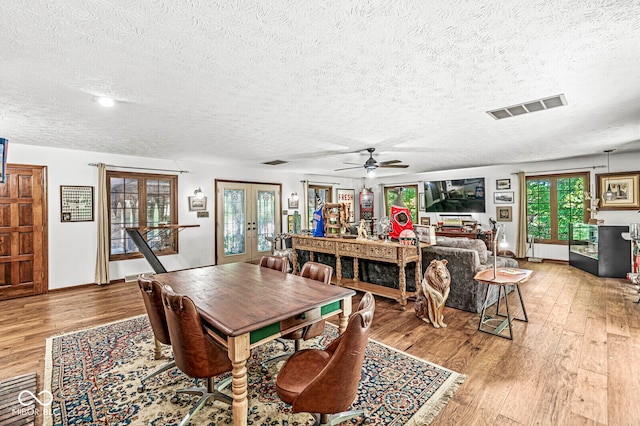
[
  {"x": 455, "y": 233},
  {"x": 389, "y": 252}
]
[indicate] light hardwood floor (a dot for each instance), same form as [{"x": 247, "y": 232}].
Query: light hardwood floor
[{"x": 577, "y": 362}]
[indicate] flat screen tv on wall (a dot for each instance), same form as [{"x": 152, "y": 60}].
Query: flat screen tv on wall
[{"x": 455, "y": 196}]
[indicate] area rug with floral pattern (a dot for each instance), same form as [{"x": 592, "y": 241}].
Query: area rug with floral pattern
[{"x": 94, "y": 374}]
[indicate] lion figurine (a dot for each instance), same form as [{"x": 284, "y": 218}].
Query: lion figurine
[{"x": 433, "y": 293}]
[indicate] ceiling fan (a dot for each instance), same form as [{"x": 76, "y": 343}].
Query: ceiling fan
[{"x": 371, "y": 164}]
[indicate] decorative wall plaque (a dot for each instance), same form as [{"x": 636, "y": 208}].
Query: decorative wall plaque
[{"x": 76, "y": 203}]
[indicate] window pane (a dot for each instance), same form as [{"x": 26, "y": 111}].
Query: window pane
[
  {"x": 159, "y": 213},
  {"x": 410, "y": 198},
  {"x": 539, "y": 208},
  {"x": 131, "y": 186},
  {"x": 118, "y": 236},
  {"x": 234, "y": 221},
  {"x": 124, "y": 213},
  {"x": 571, "y": 206},
  {"x": 158, "y": 209}
]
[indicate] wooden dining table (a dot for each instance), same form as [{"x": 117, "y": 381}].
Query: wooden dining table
[{"x": 243, "y": 305}]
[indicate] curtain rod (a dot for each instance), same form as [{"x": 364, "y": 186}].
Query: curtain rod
[
  {"x": 317, "y": 183},
  {"x": 141, "y": 168},
  {"x": 401, "y": 183},
  {"x": 562, "y": 170}
]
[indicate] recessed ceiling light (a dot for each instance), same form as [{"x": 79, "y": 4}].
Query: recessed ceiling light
[{"x": 106, "y": 102}]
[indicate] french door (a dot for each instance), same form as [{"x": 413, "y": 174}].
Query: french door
[{"x": 246, "y": 215}]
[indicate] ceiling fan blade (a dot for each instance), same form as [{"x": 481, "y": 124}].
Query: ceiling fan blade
[
  {"x": 385, "y": 163},
  {"x": 394, "y": 166},
  {"x": 355, "y": 164},
  {"x": 348, "y": 168}
]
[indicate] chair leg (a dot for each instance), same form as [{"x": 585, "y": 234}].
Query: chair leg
[
  {"x": 334, "y": 419},
  {"x": 223, "y": 384},
  {"x": 285, "y": 345},
  {"x": 211, "y": 392},
  {"x": 161, "y": 369}
]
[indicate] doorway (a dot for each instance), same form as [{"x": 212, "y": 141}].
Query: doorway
[
  {"x": 23, "y": 232},
  {"x": 316, "y": 196},
  {"x": 246, "y": 215}
]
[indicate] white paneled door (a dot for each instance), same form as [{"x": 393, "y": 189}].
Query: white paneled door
[{"x": 246, "y": 214}]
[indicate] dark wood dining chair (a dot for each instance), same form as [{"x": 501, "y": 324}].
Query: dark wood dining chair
[
  {"x": 151, "y": 291},
  {"x": 196, "y": 353},
  {"x": 279, "y": 263},
  {"x": 324, "y": 382},
  {"x": 318, "y": 272}
]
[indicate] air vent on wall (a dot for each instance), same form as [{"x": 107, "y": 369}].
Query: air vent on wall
[
  {"x": 528, "y": 107},
  {"x": 275, "y": 162}
]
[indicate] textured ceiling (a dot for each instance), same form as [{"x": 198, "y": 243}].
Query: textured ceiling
[{"x": 310, "y": 81}]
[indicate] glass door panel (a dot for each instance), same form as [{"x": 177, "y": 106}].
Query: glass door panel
[
  {"x": 266, "y": 218},
  {"x": 235, "y": 230}
]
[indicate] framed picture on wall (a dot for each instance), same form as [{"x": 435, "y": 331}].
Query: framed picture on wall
[
  {"x": 347, "y": 196},
  {"x": 625, "y": 189},
  {"x": 426, "y": 234},
  {"x": 196, "y": 204},
  {"x": 503, "y": 197},
  {"x": 425, "y": 221},
  {"x": 293, "y": 203},
  {"x": 76, "y": 203},
  {"x": 503, "y": 214},
  {"x": 421, "y": 205},
  {"x": 502, "y": 184}
]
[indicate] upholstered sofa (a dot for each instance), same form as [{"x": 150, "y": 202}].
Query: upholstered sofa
[{"x": 465, "y": 257}]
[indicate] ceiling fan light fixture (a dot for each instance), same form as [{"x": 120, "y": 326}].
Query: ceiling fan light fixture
[
  {"x": 371, "y": 172},
  {"x": 371, "y": 164}
]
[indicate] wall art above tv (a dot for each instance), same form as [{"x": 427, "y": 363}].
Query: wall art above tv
[{"x": 455, "y": 196}]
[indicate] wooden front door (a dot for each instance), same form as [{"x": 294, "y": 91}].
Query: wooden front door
[{"x": 23, "y": 232}]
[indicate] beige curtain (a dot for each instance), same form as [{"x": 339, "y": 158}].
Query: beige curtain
[
  {"x": 305, "y": 205},
  {"x": 102, "y": 256},
  {"x": 521, "y": 241}
]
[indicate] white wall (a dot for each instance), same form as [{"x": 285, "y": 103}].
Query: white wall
[
  {"x": 618, "y": 163},
  {"x": 72, "y": 246}
]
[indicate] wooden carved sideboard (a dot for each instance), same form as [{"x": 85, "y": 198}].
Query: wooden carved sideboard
[{"x": 389, "y": 252}]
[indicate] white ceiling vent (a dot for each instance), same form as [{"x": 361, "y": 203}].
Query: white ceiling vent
[{"x": 528, "y": 107}]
